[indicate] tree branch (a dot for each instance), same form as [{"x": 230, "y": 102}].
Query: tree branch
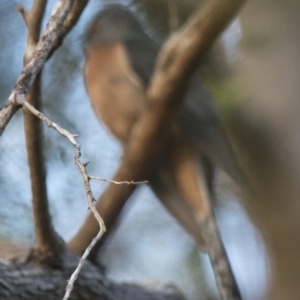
[
  {"x": 117, "y": 182},
  {"x": 33, "y": 283},
  {"x": 69, "y": 22},
  {"x": 176, "y": 63},
  {"x": 48, "y": 245},
  {"x": 86, "y": 179},
  {"x": 33, "y": 67}
]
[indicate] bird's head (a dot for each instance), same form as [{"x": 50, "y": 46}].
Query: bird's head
[{"x": 114, "y": 23}]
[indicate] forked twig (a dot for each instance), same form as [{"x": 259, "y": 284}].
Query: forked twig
[
  {"x": 118, "y": 182},
  {"x": 86, "y": 179}
]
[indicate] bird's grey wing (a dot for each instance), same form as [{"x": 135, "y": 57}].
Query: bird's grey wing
[
  {"x": 198, "y": 118},
  {"x": 142, "y": 55}
]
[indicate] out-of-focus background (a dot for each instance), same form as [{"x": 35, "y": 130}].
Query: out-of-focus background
[{"x": 253, "y": 73}]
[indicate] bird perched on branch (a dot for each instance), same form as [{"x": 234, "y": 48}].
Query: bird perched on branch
[{"x": 120, "y": 59}]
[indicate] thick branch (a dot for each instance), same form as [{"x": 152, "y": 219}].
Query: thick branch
[
  {"x": 69, "y": 22},
  {"x": 33, "y": 20},
  {"x": 48, "y": 246},
  {"x": 36, "y": 62},
  {"x": 47, "y": 242},
  {"x": 177, "y": 60},
  {"x": 31, "y": 282}
]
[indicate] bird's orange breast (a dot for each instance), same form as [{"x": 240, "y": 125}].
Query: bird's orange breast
[{"x": 116, "y": 92}]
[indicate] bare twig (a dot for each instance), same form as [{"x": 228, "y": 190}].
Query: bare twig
[
  {"x": 74, "y": 275},
  {"x": 46, "y": 242},
  {"x": 36, "y": 62},
  {"x": 86, "y": 178},
  {"x": 118, "y": 182}
]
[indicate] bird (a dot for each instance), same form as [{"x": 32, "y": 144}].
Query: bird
[{"x": 120, "y": 59}]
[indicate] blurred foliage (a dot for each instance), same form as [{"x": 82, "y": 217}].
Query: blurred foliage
[{"x": 256, "y": 42}]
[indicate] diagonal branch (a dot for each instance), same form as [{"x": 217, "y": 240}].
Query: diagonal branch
[
  {"x": 69, "y": 22},
  {"x": 117, "y": 182}
]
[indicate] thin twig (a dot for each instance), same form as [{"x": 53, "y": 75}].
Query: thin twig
[
  {"x": 86, "y": 253},
  {"x": 86, "y": 178},
  {"x": 118, "y": 182}
]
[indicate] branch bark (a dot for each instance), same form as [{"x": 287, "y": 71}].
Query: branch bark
[
  {"x": 86, "y": 179},
  {"x": 48, "y": 245},
  {"x": 32, "y": 283},
  {"x": 69, "y": 23},
  {"x": 47, "y": 242}
]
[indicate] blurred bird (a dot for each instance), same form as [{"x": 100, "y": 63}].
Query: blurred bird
[{"x": 120, "y": 59}]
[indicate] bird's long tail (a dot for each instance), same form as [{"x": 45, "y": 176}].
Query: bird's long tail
[{"x": 183, "y": 189}]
